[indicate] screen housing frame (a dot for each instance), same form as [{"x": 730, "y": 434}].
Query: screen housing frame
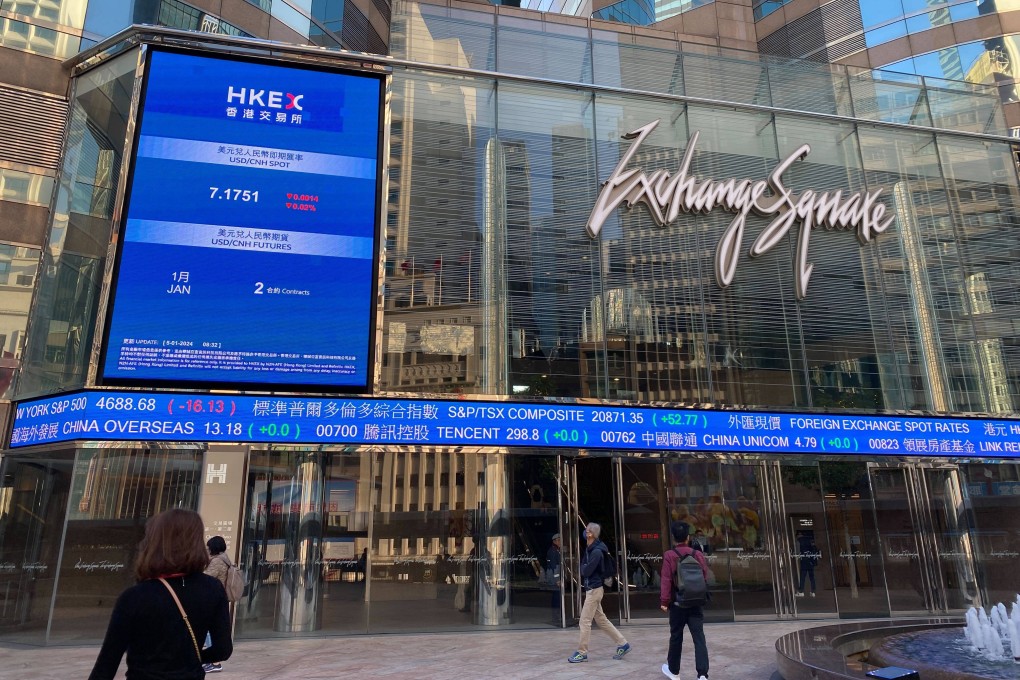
[{"x": 107, "y": 301}]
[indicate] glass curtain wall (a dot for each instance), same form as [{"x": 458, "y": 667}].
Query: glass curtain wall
[
  {"x": 113, "y": 493},
  {"x": 69, "y": 531},
  {"x": 33, "y": 502},
  {"x": 61, "y": 328},
  {"x": 344, "y": 541},
  {"x": 994, "y": 496}
]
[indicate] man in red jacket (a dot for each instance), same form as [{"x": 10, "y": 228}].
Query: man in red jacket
[{"x": 692, "y": 617}]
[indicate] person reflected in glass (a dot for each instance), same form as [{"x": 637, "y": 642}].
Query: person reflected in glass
[
  {"x": 808, "y": 556},
  {"x": 147, "y": 623},
  {"x": 553, "y": 564}
]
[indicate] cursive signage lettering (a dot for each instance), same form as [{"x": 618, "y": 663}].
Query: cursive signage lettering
[{"x": 667, "y": 194}]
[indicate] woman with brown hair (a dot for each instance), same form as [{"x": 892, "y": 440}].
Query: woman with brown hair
[{"x": 160, "y": 621}]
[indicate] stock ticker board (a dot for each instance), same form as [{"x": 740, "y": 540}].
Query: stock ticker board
[{"x": 184, "y": 417}]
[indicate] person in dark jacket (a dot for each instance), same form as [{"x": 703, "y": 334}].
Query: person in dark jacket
[
  {"x": 219, "y": 567},
  {"x": 692, "y": 617},
  {"x": 808, "y": 559},
  {"x": 592, "y": 576},
  {"x": 146, "y": 622}
]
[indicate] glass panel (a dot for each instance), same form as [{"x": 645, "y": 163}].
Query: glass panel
[
  {"x": 962, "y": 106},
  {"x": 407, "y": 540},
  {"x": 647, "y": 321},
  {"x": 953, "y": 538},
  {"x": 441, "y": 35},
  {"x": 749, "y": 547},
  {"x": 853, "y": 540},
  {"x": 535, "y": 561},
  {"x": 694, "y": 494},
  {"x": 994, "y": 492},
  {"x": 33, "y": 502},
  {"x": 902, "y": 553},
  {"x": 548, "y": 159},
  {"x": 60, "y": 330},
  {"x": 346, "y": 542},
  {"x": 725, "y": 75},
  {"x": 304, "y": 541},
  {"x": 899, "y": 277},
  {"x": 808, "y": 86},
  {"x": 113, "y": 493},
  {"x": 25, "y": 187},
  {"x": 842, "y": 359},
  {"x": 19, "y": 267},
  {"x": 646, "y": 520},
  {"x": 809, "y": 560},
  {"x": 964, "y": 10},
  {"x": 66, "y": 12},
  {"x": 652, "y": 66},
  {"x": 896, "y": 98},
  {"x": 535, "y": 48},
  {"x": 885, "y": 33},
  {"x": 18, "y": 35},
  {"x": 296, "y": 16},
  {"x": 439, "y": 267},
  {"x": 982, "y": 182},
  {"x": 103, "y": 19},
  {"x": 753, "y": 358},
  {"x": 875, "y": 12}
]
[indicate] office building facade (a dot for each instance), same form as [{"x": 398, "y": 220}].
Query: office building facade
[{"x": 511, "y": 277}]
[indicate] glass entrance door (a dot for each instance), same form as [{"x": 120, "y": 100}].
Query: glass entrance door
[
  {"x": 853, "y": 540},
  {"x": 590, "y": 495},
  {"x": 927, "y": 539}
]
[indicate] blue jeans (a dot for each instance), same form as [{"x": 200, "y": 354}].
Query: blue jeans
[{"x": 694, "y": 619}]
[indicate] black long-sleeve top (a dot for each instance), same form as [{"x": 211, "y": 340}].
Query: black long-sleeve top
[{"x": 148, "y": 626}]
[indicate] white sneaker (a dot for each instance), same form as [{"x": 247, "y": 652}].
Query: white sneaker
[
  {"x": 798, "y": 594},
  {"x": 702, "y": 677},
  {"x": 665, "y": 671}
]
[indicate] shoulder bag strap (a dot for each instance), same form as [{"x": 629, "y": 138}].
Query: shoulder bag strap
[{"x": 187, "y": 623}]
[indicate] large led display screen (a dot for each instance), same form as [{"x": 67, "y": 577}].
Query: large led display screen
[{"x": 248, "y": 248}]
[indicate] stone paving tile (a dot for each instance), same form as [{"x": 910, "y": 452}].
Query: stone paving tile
[{"x": 738, "y": 651}]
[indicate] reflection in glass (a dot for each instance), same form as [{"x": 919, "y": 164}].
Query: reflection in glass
[
  {"x": 60, "y": 331},
  {"x": 994, "y": 493},
  {"x": 903, "y": 555},
  {"x": 808, "y": 537},
  {"x": 33, "y": 502},
  {"x": 65, "y": 12},
  {"x": 853, "y": 540},
  {"x": 19, "y": 267},
  {"x": 113, "y": 492},
  {"x": 18, "y": 35},
  {"x": 347, "y": 541},
  {"x": 694, "y": 494}
]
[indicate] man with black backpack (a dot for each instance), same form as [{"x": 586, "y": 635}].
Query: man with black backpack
[
  {"x": 597, "y": 567},
  {"x": 683, "y": 593}
]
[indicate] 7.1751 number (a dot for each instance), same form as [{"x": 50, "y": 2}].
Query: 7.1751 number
[{"x": 246, "y": 195}]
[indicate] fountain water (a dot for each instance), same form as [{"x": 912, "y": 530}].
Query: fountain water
[{"x": 995, "y": 635}]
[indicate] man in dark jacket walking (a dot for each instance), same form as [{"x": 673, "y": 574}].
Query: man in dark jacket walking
[
  {"x": 591, "y": 581},
  {"x": 692, "y": 617}
]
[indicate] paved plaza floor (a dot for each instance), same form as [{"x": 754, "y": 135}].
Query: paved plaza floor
[{"x": 738, "y": 651}]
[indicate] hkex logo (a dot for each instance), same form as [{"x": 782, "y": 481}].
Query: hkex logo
[{"x": 249, "y": 96}]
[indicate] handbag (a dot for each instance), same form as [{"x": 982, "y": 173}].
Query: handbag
[{"x": 187, "y": 623}]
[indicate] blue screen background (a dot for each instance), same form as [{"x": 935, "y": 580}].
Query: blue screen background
[{"x": 276, "y": 289}]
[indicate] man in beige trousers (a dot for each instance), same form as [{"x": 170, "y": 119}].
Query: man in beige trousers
[{"x": 592, "y": 575}]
